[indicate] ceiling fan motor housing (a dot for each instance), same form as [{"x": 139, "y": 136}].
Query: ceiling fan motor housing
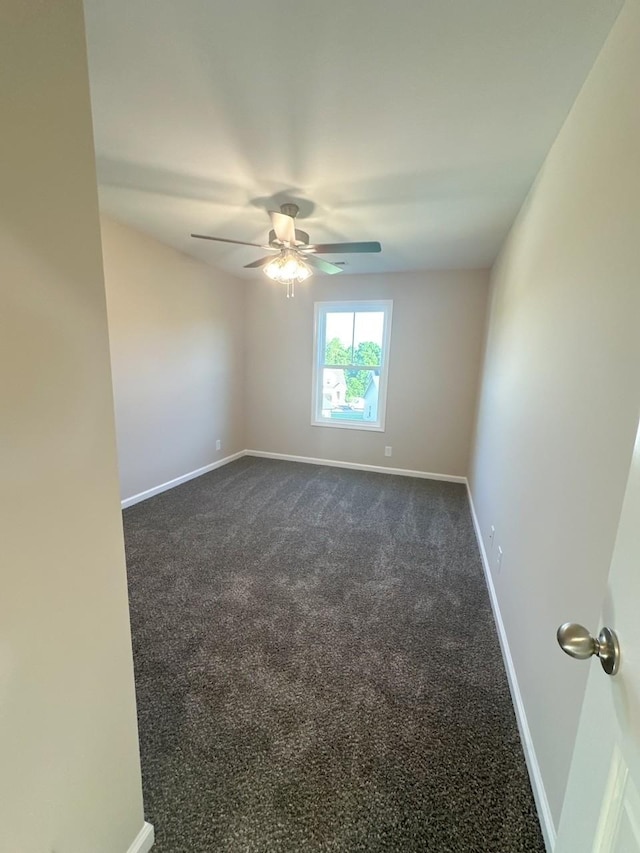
[{"x": 301, "y": 237}]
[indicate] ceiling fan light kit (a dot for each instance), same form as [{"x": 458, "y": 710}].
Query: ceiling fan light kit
[
  {"x": 296, "y": 258},
  {"x": 287, "y": 268}
]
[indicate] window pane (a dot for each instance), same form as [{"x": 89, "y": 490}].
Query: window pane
[
  {"x": 350, "y": 367},
  {"x": 367, "y": 338},
  {"x": 344, "y": 394},
  {"x": 339, "y": 337}
]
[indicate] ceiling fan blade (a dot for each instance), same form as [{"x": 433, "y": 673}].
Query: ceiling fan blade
[
  {"x": 259, "y": 263},
  {"x": 225, "y": 240},
  {"x": 319, "y": 264},
  {"x": 344, "y": 248},
  {"x": 284, "y": 226}
]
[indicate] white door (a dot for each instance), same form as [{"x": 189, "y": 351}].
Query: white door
[{"x": 601, "y": 813}]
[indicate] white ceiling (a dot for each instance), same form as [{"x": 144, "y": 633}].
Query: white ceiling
[{"x": 419, "y": 123}]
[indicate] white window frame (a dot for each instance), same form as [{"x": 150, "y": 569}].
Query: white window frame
[{"x": 321, "y": 309}]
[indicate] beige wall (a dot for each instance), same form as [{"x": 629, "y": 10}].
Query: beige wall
[
  {"x": 69, "y": 765},
  {"x": 176, "y": 329},
  {"x": 561, "y": 392},
  {"x": 436, "y": 345}
]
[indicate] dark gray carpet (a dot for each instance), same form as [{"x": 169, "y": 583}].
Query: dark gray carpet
[{"x": 317, "y": 668}]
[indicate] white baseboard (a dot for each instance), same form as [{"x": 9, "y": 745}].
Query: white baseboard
[
  {"x": 378, "y": 469},
  {"x": 143, "y": 842},
  {"x": 149, "y": 493},
  {"x": 535, "y": 775}
]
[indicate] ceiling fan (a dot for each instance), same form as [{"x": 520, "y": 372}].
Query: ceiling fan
[{"x": 295, "y": 257}]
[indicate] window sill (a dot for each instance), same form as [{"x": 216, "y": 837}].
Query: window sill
[{"x": 359, "y": 425}]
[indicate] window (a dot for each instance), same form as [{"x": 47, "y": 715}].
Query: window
[{"x": 351, "y": 364}]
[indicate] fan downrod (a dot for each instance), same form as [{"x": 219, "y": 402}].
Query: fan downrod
[{"x": 289, "y": 209}]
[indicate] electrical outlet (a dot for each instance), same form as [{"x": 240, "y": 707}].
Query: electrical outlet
[
  {"x": 499, "y": 560},
  {"x": 218, "y": 445},
  {"x": 387, "y": 451},
  {"x": 492, "y": 535}
]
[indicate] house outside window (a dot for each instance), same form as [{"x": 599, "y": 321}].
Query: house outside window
[{"x": 351, "y": 364}]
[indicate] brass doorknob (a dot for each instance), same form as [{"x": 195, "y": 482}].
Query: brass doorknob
[{"x": 577, "y": 642}]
